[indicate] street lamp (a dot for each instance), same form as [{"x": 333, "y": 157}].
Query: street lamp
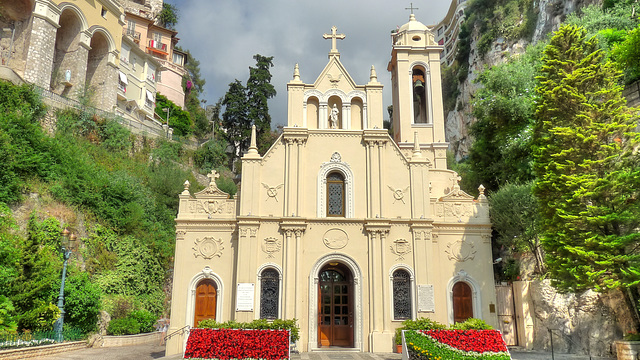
[
  {"x": 67, "y": 238},
  {"x": 167, "y": 110}
]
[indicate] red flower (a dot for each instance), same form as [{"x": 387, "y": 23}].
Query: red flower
[
  {"x": 227, "y": 344},
  {"x": 479, "y": 341}
]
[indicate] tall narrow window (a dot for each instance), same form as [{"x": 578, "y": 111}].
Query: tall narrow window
[
  {"x": 335, "y": 194},
  {"x": 419, "y": 97},
  {"x": 269, "y": 292},
  {"x": 401, "y": 295}
]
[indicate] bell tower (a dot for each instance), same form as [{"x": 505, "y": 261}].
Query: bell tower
[{"x": 417, "y": 91}]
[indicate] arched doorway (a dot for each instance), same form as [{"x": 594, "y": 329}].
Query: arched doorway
[
  {"x": 462, "y": 302},
  {"x": 335, "y": 306},
  {"x": 98, "y": 73},
  {"x": 206, "y": 301},
  {"x": 70, "y": 56}
]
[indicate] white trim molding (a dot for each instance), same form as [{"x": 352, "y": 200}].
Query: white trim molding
[
  {"x": 258, "y": 298},
  {"x": 336, "y": 164},
  {"x": 414, "y": 302},
  {"x": 206, "y": 273},
  {"x": 357, "y": 299},
  {"x": 476, "y": 295}
]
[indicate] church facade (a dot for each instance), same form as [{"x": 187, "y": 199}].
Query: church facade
[{"x": 340, "y": 225}]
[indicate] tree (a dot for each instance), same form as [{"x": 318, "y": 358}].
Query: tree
[
  {"x": 259, "y": 90},
  {"x": 235, "y": 119},
  {"x": 514, "y": 216},
  {"x": 168, "y": 16},
  {"x": 193, "y": 83},
  {"x": 179, "y": 120},
  {"x": 588, "y": 179}
]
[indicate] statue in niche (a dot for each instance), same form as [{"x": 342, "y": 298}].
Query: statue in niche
[{"x": 333, "y": 118}]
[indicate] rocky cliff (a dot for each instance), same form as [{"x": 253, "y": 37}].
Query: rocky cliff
[{"x": 550, "y": 14}]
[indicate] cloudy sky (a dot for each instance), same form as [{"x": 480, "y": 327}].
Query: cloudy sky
[{"x": 225, "y": 34}]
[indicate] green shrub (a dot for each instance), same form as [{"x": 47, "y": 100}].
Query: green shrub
[
  {"x": 419, "y": 324},
  {"x": 145, "y": 319},
  {"x": 123, "y": 326},
  {"x": 40, "y": 318},
  {"x": 82, "y": 302},
  {"x": 279, "y": 324},
  {"x": 471, "y": 324}
]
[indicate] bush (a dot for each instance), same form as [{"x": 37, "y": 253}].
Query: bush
[
  {"x": 39, "y": 319},
  {"x": 82, "y": 302},
  {"x": 123, "y": 326},
  {"x": 471, "y": 324},
  {"x": 280, "y": 324},
  {"x": 145, "y": 319},
  {"x": 419, "y": 324}
]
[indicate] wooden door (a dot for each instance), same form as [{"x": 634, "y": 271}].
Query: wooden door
[
  {"x": 506, "y": 313},
  {"x": 206, "y": 300},
  {"x": 335, "y": 310},
  {"x": 462, "y": 302}
]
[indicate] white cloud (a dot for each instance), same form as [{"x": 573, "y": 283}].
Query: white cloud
[{"x": 225, "y": 34}]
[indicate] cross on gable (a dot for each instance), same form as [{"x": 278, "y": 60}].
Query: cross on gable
[
  {"x": 213, "y": 177},
  {"x": 334, "y": 36},
  {"x": 411, "y": 8}
]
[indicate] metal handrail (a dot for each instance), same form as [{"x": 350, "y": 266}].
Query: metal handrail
[{"x": 182, "y": 330}]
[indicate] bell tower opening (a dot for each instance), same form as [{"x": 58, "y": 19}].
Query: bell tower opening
[{"x": 420, "y": 106}]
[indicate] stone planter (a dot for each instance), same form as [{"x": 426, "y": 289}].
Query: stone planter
[{"x": 627, "y": 350}]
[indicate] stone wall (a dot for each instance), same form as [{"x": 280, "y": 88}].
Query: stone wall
[
  {"x": 585, "y": 323},
  {"x": 39, "y": 61},
  {"x": 38, "y": 352}
]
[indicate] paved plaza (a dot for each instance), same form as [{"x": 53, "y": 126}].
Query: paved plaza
[{"x": 149, "y": 352}]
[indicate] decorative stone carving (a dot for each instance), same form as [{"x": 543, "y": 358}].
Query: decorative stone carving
[
  {"x": 398, "y": 194},
  {"x": 208, "y": 247},
  {"x": 272, "y": 191},
  {"x": 211, "y": 207},
  {"x": 271, "y": 245},
  {"x": 400, "y": 248},
  {"x": 180, "y": 234},
  {"x": 335, "y": 157},
  {"x": 335, "y": 239},
  {"x": 460, "y": 251}
]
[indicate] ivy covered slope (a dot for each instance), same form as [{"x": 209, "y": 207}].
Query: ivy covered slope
[{"x": 120, "y": 199}]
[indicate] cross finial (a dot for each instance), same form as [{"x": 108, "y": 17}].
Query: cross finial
[
  {"x": 334, "y": 36},
  {"x": 213, "y": 176},
  {"x": 411, "y": 8}
]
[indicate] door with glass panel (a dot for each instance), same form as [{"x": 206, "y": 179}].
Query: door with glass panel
[{"x": 335, "y": 306}]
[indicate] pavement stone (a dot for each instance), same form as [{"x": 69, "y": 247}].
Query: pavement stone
[{"x": 154, "y": 351}]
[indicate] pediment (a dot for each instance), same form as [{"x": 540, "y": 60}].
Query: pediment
[
  {"x": 212, "y": 191},
  {"x": 335, "y": 76},
  {"x": 457, "y": 195}
]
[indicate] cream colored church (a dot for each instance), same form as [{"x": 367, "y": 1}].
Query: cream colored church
[{"x": 339, "y": 225}]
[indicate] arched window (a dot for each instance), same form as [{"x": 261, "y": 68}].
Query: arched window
[
  {"x": 401, "y": 295},
  {"x": 269, "y": 292},
  {"x": 335, "y": 194}
]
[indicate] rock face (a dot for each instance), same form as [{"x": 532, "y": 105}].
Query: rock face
[
  {"x": 551, "y": 13},
  {"x": 581, "y": 323}
]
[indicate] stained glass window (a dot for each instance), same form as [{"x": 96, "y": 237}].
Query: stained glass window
[
  {"x": 401, "y": 295},
  {"x": 269, "y": 292},
  {"x": 335, "y": 194}
]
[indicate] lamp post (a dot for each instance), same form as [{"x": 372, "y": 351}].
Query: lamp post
[
  {"x": 66, "y": 253},
  {"x": 168, "y": 110}
]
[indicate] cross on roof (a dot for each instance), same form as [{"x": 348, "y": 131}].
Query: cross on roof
[
  {"x": 333, "y": 36},
  {"x": 213, "y": 176},
  {"x": 411, "y": 8}
]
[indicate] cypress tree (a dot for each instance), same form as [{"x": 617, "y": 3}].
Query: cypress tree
[{"x": 588, "y": 178}]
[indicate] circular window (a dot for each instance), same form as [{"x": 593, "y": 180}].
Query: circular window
[{"x": 416, "y": 38}]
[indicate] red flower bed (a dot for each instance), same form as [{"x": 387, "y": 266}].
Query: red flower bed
[
  {"x": 470, "y": 340},
  {"x": 237, "y": 344}
]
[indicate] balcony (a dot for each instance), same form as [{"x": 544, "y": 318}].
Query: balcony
[
  {"x": 135, "y": 35},
  {"x": 157, "y": 47}
]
